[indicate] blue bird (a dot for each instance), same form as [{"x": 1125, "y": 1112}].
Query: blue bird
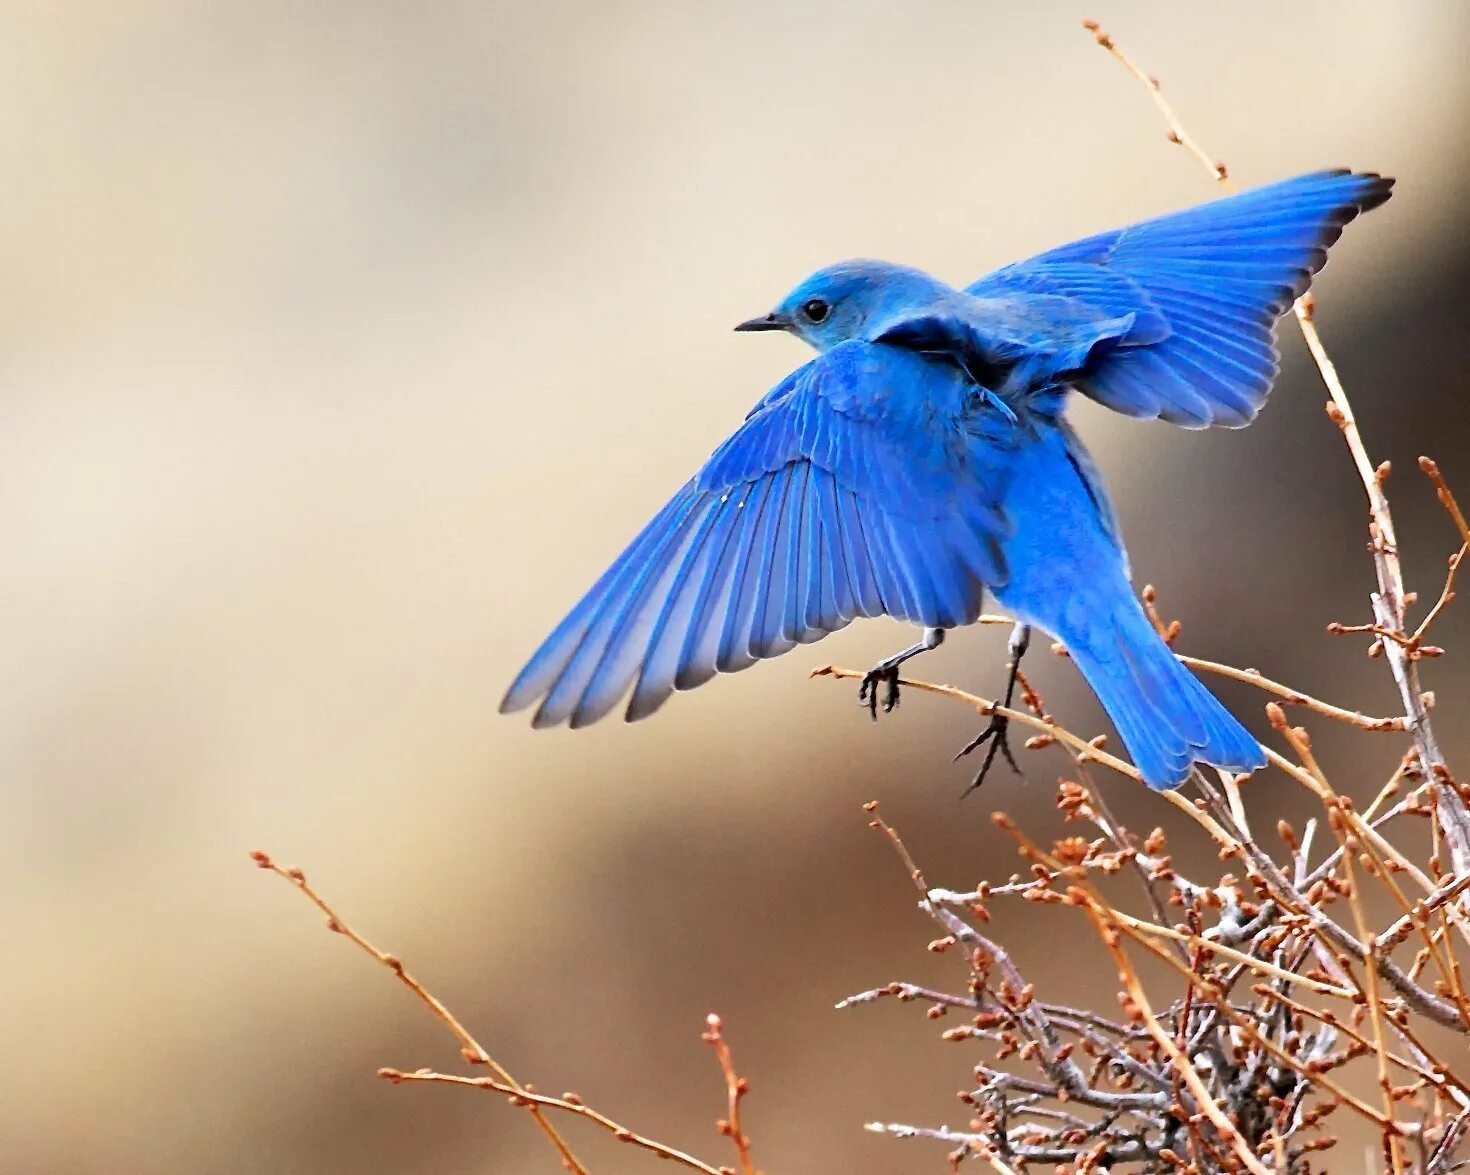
[{"x": 924, "y": 457}]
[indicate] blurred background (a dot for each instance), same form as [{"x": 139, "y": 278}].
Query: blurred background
[{"x": 343, "y": 344}]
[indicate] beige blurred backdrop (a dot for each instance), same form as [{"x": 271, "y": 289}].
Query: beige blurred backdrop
[{"x": 342, "y": 344}]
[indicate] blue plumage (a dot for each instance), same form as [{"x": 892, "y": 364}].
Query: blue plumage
[
  {"x": 1207, "y": 286},
  {"x": 922, "y": 458}
]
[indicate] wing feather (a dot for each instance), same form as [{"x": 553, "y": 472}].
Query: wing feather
[
  {"x": 1207, "y": 286},
  {"x": 856, "y": 488}
]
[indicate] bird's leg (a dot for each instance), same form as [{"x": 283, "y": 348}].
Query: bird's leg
[
  {"x": 886, "y": 671},
  {"x": 996, "y": 732}
]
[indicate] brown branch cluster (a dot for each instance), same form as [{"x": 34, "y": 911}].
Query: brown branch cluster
[{"x": 1281, "y": 1003}]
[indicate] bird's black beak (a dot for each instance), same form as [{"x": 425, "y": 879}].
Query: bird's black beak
[{"x": 772, "y": 321}]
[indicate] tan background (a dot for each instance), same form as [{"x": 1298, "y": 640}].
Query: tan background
[{"x": 342, "y": 344}]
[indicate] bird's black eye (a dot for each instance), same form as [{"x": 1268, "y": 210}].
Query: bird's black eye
[{"x": 816, "y": 310}]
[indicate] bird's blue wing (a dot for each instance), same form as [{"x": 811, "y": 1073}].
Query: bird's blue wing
[
  {"x": 1043, "y": 335},
  {"x": 867, "y": 483},
  {"x": 1206, "y": 286}
]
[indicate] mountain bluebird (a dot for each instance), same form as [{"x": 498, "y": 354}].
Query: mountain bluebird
[{"x": 924, "y": 457}]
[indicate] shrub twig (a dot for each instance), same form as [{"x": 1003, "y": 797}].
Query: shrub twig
[{"x": 523, "y": 1096}]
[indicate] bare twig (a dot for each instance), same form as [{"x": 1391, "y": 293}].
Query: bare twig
[
  {"x": 1295, "y": 697},
  {"x": 568, "y": 1103},
  {"x": 519, "y": 1095},
  {"x": 736, "y": 1087}
]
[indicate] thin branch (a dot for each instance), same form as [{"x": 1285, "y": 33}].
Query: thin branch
[
  {"x": 1295, "y": 697},
  {"x": 907, "y": 992},
  {"x": 977, "y": 1143},
  {"x": 473, "y": 1049},
  {"x": 474, "y": 1052},
  {"x": 986, "y": 708},
  {"x": 569, "y": 1104},
  {"x": 736, "y": 1087}
]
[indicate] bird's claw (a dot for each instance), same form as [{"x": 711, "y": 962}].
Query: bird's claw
[
  {"x": 868, "y": 690},
  {"x": 997, "y": 735}
]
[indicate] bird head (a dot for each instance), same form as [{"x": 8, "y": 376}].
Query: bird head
[{"x": 849, "y": 300}]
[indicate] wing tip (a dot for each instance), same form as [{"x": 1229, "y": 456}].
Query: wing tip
[
  {"x": 546, "y": 717},
  {"x": 1377, "y": 191},
  {"x": 644, "y": 704},
  {"x": 511, "y": 705},
  {"x": 520, "y": 694}
]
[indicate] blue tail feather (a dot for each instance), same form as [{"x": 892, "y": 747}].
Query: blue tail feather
[{"x": 1166, "y": 717}]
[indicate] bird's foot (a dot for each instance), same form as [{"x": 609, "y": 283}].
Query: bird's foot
[
  {"x": 885, "y": 673},
  {"x": 996, "y": 734},
  {"x": 881, "y": 675}
]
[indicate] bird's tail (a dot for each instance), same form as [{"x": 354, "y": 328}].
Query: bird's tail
[{"x": 1168, "y": 720}]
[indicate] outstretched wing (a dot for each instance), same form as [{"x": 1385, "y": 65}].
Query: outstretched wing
[
  {"x": 860, "y": 486},
  {"x": 1206, "y": 286}
]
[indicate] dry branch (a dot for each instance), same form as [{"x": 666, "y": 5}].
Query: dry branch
[{"x": 525, "y": 1096}]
